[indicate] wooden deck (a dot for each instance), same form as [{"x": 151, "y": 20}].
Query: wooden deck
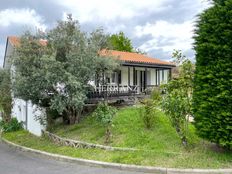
[{"x": 114, "y": 93}]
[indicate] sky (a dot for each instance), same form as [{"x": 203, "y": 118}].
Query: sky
[{"x": 155, "y": 26}]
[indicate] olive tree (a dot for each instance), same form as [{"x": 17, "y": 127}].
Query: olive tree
[{"x": 55, "y": 73}]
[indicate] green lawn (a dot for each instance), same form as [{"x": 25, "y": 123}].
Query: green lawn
[
  {"x": 157, "y": 143},
  {"x": 129, "y": 131}
]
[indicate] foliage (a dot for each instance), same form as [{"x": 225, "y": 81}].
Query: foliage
[
  {"x": 159, "y": 147},
  {"x": 104, "y": 114},
  {"x": 177, "y": 101},
  {"x": 128, "y": 131},
  {"x": 212, "y": 95},
  {"x": 120, "y": 42},
  {"x": 11, "y": 125},
  {"x": 5, "y": 94},
  {"x": 147, "y": 113},
  {"x": 55, "y": 75}
]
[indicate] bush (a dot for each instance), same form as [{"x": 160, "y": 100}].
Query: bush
[
  {"x": 177, "y": 100},
  {"x": 11, "y": 126},
  {"x": 212, "y": 96},
  {"x": 5, "y": 94},
  {"x": 147, "y": 113},
  {"x": 104, "y": 114}
]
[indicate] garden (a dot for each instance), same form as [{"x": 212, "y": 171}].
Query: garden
[{"x": 186, "y": 123}]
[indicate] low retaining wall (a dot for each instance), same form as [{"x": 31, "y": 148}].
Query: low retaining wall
[{"x": 80, "y": 144}]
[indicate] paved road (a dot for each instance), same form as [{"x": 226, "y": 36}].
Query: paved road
[{"x": 16, "y": 162}]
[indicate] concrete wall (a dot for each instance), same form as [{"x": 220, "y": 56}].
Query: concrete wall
[{"x": 26, "y": 112}]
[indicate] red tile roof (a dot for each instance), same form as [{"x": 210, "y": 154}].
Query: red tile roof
[
  {"x": 134, "y": 57},
  {"x": 14, "y": 40},
  {"x": 121, "y": 55}
]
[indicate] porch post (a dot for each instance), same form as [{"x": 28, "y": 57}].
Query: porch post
[
  {"x": 103, "y": 87},
  {"x": 158, "y": 76},
  {"x": 162, "y": 74},
  {"x": 133, "y": 76},
  {"x": 145, "y": 79},
  {"x": 170, "y": 74},
  {"x": 128, "y": 76}
]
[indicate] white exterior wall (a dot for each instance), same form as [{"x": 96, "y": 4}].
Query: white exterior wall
[
  {"x": 153, "y": 76},
  {"x": 9, "y": 52},
  {"x": 166, "y": 74},
  {"x": 124, "y": 75},
  {"x": 131, "y": 76},
  {"x": 26, "y": 113}
]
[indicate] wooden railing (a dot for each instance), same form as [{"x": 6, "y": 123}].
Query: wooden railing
[{"x": 105, "y": 91}]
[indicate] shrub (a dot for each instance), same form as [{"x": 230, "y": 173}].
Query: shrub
[
  {"x": 5, "y": 94},
  {"x": 147, "y": 113},
  {"x": 177, "y": 100},
  {"x": 212, "y": 96},
  {"x": 104, "y": 114},
  {"x": 11, "y": 126}
]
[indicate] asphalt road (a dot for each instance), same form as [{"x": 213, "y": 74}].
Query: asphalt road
[{"x": 16, "y": 162}]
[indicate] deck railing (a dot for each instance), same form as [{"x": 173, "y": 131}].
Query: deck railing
[{"x": 105, "y": 91}]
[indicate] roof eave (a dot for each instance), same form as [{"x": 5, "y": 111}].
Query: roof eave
[{"x": 143, "y": 64}]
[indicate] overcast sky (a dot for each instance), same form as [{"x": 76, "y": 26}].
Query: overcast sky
[{"x": 156, "y": 26}]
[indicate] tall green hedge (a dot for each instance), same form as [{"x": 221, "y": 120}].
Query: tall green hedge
[{"x": 212, "y": 95}]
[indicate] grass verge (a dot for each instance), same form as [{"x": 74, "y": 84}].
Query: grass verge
[{"x": 201, "y": 155}]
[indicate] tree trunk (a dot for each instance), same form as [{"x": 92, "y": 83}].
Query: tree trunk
[
  {"x": 107, "y": 135},
  {"x": 72, "y": 116},
  {"x": 78, "y": 115}
]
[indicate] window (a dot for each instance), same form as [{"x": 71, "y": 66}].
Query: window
[
  {"x": 107, "y": 78},
  {"x": 114, "y": 77}
]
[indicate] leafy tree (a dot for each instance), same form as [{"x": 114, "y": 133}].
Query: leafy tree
[
  {"x": 212, "y": 95},
  {"x": 55, "y": 75},
  {"x": 177, "y": 100},
  {"x": 104, "y": 114},
  {"x": 5, "y": 94},
  {"x": 120, "y": 42}
]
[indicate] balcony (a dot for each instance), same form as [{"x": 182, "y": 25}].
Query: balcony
[{"x": 118, "y": 91}]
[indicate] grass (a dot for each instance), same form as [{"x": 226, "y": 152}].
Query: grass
[
  {"x": 129, "y": 131},
  {"x": 197, "y": 158}
]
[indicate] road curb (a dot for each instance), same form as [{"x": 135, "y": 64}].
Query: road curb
[{"x": 135, "y": 168}]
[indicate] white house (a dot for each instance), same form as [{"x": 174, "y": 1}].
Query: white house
[{"x": 136, "y": 74}]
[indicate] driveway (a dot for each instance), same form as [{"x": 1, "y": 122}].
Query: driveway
[{"x": 16, "y": 162}]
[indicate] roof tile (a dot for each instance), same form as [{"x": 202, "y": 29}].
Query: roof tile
[{"x": 134, "y": 57}]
